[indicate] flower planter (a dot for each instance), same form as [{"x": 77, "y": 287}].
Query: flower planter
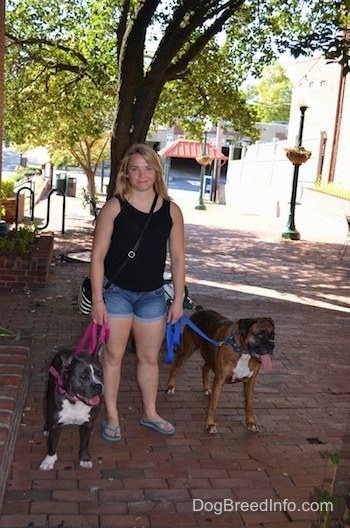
[
  {"x": 204, "y": 160},
  {"x": 298, "y": 155},
  {"x": 28, "y": 271}
]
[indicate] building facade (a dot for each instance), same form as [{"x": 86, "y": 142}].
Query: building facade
[
  {"x": 320, "y": 85},
  {"x": 218, "y": 137}
]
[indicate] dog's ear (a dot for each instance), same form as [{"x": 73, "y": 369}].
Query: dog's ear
[
  {"x": 270, "y": 320},
  {"x": 100, "y": 350},
  {"x": 244, "y": 325},
  {"x": 68, "y": 359}
]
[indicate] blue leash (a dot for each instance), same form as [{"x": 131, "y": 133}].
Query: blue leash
[
  {"x": 173, "y": 337},
  {"x": 198, "y": 331}
]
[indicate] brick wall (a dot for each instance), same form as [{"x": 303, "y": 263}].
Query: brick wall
[
  {"x": 322, "y": 216},
  {"x": 27, "y": 272},
  {"x": 10, "y": 209},
  {"x": 15, "y": 359},
  {"x": 326, "y": 213}
]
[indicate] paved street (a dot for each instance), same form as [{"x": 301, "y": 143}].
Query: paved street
[{"x": 236, "y": 264}]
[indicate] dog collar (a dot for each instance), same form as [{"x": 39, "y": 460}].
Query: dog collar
[
  {"x": 60, "y": 386},
  {"x": 231, "y": 341}
]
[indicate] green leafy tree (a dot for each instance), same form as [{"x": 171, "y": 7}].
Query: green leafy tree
[
  {"x": 271, "y": 95},
  {"x": 211, "y": 87},
  {"x": 89, "y": 57},
  {"x": 60, "y": 89}
]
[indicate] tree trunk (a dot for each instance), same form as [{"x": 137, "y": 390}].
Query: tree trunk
[
  {"x": 140, "y": 87},
  {"x": 131, "y": 127}
]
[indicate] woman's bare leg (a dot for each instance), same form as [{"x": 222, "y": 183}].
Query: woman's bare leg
[
  {"x": 148, "y": 340},
  {"x": 112, "y": 362}
]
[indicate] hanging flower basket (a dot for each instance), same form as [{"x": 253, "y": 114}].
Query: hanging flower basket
[
  {"x": 297, "y": 155},
  {"x": 204, "y": 159}
]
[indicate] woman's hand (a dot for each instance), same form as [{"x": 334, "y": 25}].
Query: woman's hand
[
  {"x": 175, "y": 312},
  {"x": 99, "y": 312}
]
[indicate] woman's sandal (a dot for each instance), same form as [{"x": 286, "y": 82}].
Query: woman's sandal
[
  {"x": 115, "y": 436},
  {"x": 159, "y": 426}
]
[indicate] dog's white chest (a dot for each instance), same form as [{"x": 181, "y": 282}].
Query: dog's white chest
[
  {"x": 76, "y": 413},
  {"x": 242, "y": 369}
]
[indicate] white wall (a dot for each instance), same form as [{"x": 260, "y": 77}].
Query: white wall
[{"x": 261, "y": 182}]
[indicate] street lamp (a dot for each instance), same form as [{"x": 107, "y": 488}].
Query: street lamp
[
  {"x": 291, "y": 233},
  {"x": 203, "y": 160}
]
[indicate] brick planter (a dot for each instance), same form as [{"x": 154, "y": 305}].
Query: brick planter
[
  {"x": 10, "y": 209},
  {"x": 28, "y": 271}
]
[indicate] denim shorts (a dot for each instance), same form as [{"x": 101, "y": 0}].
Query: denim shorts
[{"x": 145, "y": 306}]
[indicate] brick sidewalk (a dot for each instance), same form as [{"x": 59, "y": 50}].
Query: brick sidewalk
[{"x": 237, "y": 265}]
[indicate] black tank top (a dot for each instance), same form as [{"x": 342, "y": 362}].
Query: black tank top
[{"x": 145, "y": 271}]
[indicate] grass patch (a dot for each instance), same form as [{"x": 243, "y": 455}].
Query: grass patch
[{"x": 332, "y": 189}]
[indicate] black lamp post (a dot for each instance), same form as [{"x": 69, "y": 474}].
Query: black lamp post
[
  {"x": 291, "y": 233},
  {"x": 203, "y": 162}
]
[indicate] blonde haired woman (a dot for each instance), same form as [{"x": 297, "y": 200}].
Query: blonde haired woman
[{"x": 135, "y": 300}]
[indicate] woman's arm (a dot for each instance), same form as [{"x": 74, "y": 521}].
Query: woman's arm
[
  {"x": 177, "y": 259},
  {"x": 102, "y": 238}
]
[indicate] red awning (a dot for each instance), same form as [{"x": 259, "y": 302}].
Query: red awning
[{"x": 191, "y": 149}]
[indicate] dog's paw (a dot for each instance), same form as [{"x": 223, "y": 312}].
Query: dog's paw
[
  {"x": 170, "y": 390},
  {"x": 207, "y": 392},
  {"x": 86, "y": 464},
  {"x": 45, "y": 432},
  {"x": 212, "y": 428},
  {"x": 252, "y": 427},
  {"x": 48, "y": 463}
]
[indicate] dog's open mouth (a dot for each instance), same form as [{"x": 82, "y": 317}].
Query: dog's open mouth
[
  {"x": 265, "y": 361},
  {"x": 92, "y": 402}
]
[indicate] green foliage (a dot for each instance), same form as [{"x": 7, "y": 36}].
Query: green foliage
[
  {"x": 23, "y": 173},
  {"x": 60, "y": 75},
  {"x": 62, "y": 61},
  {"x": 334, "y": 190},
  {"x": 259, "y": 32},
  {"x": 328, "y": 503},
  {"x": 325, "y": 498},
  {"x": 7, "y": 189},
  {"x": 20, "y": 242},
  {"x": 202, "y": 93},
  {"x": 69, "y": 63},
  {"x": 5, "y": 332},
  {"x": 272, "y": 94}
]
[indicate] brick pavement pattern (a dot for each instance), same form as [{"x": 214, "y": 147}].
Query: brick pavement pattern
[{"x": 238, "y": 265}]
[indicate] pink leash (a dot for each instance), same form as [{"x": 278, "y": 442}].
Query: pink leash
[{"x": 91, "y": 339}]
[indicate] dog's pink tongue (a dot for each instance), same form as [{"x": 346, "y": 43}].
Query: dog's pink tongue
[
  {"x": 266, "y": 362},
  {"x": 95, "y": 400}
]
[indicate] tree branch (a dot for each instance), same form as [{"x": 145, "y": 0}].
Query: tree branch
[
  {"x": 49, "y": 43},
  {"x": 182, "y": 27}
]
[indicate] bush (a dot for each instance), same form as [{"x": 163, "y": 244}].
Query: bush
[
  {"x": 20, "y": 242},
  {"x": 23, "y": 173},
  {"x": 7, "y": 189}
]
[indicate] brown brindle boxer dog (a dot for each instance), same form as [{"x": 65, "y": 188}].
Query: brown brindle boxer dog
[{"x": 245, "y": 346}]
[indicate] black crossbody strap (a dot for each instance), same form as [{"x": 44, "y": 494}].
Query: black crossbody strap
[{"x": 132, "y": 252}]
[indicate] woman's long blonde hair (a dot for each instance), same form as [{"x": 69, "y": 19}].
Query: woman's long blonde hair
[{"x": 122, "y": 187}]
